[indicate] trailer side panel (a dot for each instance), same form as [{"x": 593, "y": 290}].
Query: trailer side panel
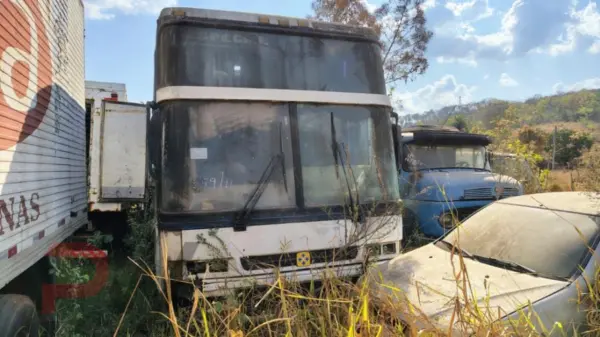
[{"x": 43, "y": 190}]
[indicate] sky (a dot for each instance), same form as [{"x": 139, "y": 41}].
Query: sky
[{"x": 505, "y": 49}]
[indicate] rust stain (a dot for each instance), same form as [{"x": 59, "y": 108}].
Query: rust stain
[{"x": 25, "y": 52}]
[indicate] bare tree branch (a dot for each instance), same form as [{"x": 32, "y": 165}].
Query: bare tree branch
[{"x": 400, "y": 25}]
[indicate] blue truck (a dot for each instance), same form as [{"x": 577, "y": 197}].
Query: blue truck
[{"x": 445, "y": 176}]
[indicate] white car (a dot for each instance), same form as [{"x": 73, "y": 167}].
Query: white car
[{"x": 522, "y": 255}]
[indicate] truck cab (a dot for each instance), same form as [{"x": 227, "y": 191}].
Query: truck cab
[{"x": 445, "y": 176}]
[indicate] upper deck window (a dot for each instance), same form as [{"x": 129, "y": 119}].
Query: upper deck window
[{"x": 189, "y": 55}]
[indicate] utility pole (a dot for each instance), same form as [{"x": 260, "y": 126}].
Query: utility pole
[{"x": 554, "y": 146}]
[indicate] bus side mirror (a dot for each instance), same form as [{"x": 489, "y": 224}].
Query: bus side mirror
[
  {"x": 395, "y": 116},
  {"x": 153, "y": 139},
  {"x": 397, "y": 137}
]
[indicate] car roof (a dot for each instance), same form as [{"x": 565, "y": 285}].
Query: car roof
[{"x": 575, "y": 202}]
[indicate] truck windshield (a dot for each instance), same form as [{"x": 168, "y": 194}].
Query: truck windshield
[
  {"x": 421, "y": 157},
  {"x": 215, "y": 153}
]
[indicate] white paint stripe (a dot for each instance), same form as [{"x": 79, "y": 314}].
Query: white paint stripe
[
  {"x": 28, "y": 254},
  {"x": 273, "y": 95},
  {"x": 34, "y": 238}
]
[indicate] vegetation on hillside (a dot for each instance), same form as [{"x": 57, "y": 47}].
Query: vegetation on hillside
[
  {"x": 527, "y": 130},
  {"x": 582, "y": 107}
]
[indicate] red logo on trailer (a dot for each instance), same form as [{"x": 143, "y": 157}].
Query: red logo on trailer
[
  {"x": 52, "y": 292},
  {"x": 25, "y": 69}
]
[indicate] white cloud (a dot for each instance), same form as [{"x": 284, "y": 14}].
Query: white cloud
[
  {"x": 486, "y": 76},
  {"x": 370, "y": 6},
  {"x": 428, "y": 4},
  {"x": 590, "y": 83},
  {"x": 589, "y": 20},
  {"x": 581, "y": 31},
  {"x": 453, "y": 28},
  {"x": 436, "y": 95},
  {"x": 107, "y": 9},
  {"x": 595, "y": 47},
  {"x": 507, "y": 81},
  {"x": 470, "y": 61},
  {"x": 458, "y": 7},
  {"x": 474, "y": 9},
  {"x": 529, "y": 26}
]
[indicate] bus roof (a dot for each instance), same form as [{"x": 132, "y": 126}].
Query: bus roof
[
  {"x": 429, "y": 128},
  {"x": 265, "y": 20}
]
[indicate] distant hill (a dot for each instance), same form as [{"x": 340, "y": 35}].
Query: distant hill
[{"x": 575, "y": 108}]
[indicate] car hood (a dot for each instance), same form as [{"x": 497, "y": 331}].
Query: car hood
[
  {"x": 455, "y": 182},
  {"x": 425, "y": 278}
]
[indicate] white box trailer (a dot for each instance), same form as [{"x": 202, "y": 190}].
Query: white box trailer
[
  {"x": 119, "y": 129},
  {"x": 43, "y": 192}
]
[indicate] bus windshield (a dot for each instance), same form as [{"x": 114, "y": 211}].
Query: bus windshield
[
  {"x": 216, "y": 152},
  {"x": 191, "y": 55},
  {"x": 364, "y": 160}
]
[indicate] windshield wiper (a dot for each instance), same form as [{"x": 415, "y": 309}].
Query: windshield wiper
[
  {"x": 515, "y": 267},
  {"x": 489, "y": 260},
  {"x": 282, "y": 154},
  {"x": 241, "y": 220},
  {"x": 452, "y": 246},
  {"x": 337, "y": 157},
  {"x": 504, "y": 264},
  {"x": 501, "y": 263}
]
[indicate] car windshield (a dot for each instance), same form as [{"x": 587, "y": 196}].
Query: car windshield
[
  {"x": 420, "y": 157},
  {"x": 365, "y": 162},
  {"x": 215, "y": 155},
  {"x": 552, "y": 243}
]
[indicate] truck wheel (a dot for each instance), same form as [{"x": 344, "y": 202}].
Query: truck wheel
[{"x": 18, "y": 317}]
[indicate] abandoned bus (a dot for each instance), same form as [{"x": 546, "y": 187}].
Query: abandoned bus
[{"x": 271, "y": 148}]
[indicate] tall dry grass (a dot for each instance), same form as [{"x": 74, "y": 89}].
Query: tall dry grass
[
  {"x": 341, "y": 308},
  {"x": 337, "y": 307}
]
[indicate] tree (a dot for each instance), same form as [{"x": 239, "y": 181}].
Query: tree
[
  {"x": 535, "y": 137},
  {"x": 400, "y": 25},
  {"x": 569, "y": 145},
  {"x": 459, "y": 122}
]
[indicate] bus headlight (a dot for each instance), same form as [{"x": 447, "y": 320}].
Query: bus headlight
[
  {"x": 373, "y": 250},
  {"x": 385, "y": 248}
]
